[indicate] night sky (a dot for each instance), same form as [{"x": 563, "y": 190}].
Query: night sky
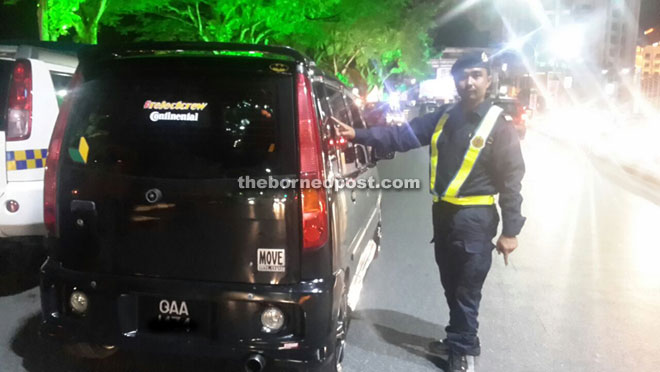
[{"x": 650, "y": 17}]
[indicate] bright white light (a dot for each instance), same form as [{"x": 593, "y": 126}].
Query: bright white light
[
  {"x": 413, "y": 81},
  {"x": 503, "y": 90},
  {"x": 374, "y": 96},
  {"x": 516, "y": 44},
  {"x": 567, "y": 43},
  {"x": 356, "y": 91},
  {"x": 625, "y": 71},
  {"x": 394, "y": 101},
  {"x": 441, "y": 88},
  {"x": 604, "y": 72},
  {"x": 609, "y": 89},
  {"x": 62, "y": 92},
  {"x": 505, "y": 66}
]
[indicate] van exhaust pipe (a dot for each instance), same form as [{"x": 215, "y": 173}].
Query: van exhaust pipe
[{"x": 255, "y": 363}]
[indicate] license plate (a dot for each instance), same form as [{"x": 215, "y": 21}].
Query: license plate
[{"x": 172, "y": 315}]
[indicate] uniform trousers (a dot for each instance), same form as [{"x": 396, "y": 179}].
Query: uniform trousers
[{"x": 463, "y": 238}]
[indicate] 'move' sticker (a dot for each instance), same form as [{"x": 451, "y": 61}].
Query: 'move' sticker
[{"x": 271, "y": 260}]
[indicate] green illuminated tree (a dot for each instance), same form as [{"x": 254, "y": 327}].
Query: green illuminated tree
[
  {"x": 57, "y": 18},
  {"x": 373, "y": 37},
  {"x": 364, "y": 41},
  {"x": 378, "y": 38},
  {"x": 82, "y": 18},
  {"x": 244, "y": 21}
]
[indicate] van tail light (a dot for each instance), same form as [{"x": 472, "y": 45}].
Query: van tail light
[
  {"x": 339, "y": 144},
  {"x": 314, "y": 202},
  {"x": 54, "y": 150},
  {"x": 19, "y": 99}
]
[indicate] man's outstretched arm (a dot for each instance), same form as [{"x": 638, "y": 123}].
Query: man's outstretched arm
[{"x": 402, "y": 138}]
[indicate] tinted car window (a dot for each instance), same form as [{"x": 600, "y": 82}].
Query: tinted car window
[
  {"x": 337, "y": 105},
  {"x": 181, "y": 118},
  {"x": 361, "y": 153},
  {"x": 61, "y": 83},
  {"x": 355, "y": 114},
  {"x": 5, "y": 73},
  {"x": 340, "y": 111}
]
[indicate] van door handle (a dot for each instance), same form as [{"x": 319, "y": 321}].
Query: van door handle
[{"x": 353, "y": 195}]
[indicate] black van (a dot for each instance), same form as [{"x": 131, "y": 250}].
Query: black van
[{"x": 154, "y": 245}]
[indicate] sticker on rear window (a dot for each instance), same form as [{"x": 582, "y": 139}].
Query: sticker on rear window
[
  {"x": 271, "y": 260},
  {"x": 279, "y": 67},
  {"x": 80, "y": 154},
  {"x": 193, "y": 107}
]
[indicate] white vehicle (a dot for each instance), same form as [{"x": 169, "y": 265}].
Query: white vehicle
[{"x": 33, "y": 81}]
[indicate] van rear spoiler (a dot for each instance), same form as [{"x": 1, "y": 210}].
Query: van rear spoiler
[{"x": 99, "y": 52}]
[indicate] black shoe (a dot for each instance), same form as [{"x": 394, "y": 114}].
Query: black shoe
[
  {"x": 458, "y": 362},
  {"x": 439, "y": 347}
]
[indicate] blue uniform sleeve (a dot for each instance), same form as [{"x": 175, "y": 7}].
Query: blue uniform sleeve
[
  {"x": 509, "y": 171},
  {"x": 402, "y": 138}
]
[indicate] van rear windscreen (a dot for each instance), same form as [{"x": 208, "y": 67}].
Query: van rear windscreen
[{"x": 182, "y": 118}]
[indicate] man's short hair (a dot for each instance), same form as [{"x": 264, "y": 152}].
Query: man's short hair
[{"x": 471, "y": 60}]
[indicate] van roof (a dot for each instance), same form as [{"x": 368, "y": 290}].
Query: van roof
[
  {"x": 94, "y": 53},
  {"x": 63, "y": 54}
]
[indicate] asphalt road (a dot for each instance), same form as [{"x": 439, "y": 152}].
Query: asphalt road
[{"x": 582, "y": 293}]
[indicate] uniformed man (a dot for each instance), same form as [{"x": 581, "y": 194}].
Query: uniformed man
[{"x": 475, "y": 154}]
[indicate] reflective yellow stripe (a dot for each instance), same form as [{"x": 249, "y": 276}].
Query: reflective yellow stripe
[
  {"x": 434, "y": 148},
  {"x": 485, "y": 127},
  {"x": 468, "y": 200}
]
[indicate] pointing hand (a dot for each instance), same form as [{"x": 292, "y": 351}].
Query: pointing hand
[{"x": 343, "y": 130}]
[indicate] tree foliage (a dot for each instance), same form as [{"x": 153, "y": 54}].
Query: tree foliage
[
  {"x": 240, "y": 21},
  {"x": 364, "y": 40},
  {"x": 58, "y": 18},
  {"x": 376, "y": 38}
]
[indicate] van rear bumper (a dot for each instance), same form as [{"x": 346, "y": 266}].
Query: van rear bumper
[
  {"x": 29, "y": 219},
  {"x": 231, "y": 326}
]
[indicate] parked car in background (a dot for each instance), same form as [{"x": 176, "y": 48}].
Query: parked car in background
[
  {"x": 33, "y": 81},
  {"x": 154, "y": 245},
  {"x": 518, "y": 113}
]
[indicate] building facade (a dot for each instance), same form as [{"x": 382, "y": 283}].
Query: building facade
[{"x": 648, "y": 60}]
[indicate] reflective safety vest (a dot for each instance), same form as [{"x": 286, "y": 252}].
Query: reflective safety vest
[{"x": 477, "y": 143}]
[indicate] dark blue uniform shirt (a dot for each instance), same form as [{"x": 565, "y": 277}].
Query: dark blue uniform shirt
[{"x": 499, "y": 168}]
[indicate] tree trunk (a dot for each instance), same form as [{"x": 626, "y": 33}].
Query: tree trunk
[
  {"x": 42, "y": 20},
  {"x": 90, "y": 19}
]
